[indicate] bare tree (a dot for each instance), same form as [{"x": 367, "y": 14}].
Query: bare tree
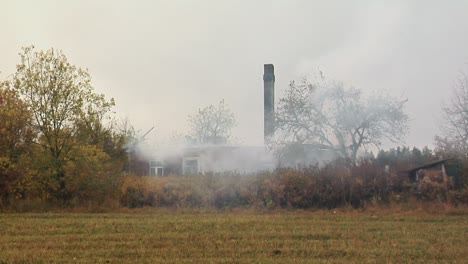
[
  {"x": 212, "y": 124},
  {"x": 330, "y": 116},
  {"x": 454, "y": 127}
]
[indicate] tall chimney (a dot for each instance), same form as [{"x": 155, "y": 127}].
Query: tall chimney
[{"x": 268, "y": 102}]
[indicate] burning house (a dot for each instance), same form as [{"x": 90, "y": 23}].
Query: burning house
[
  {"x": 213, "y": 159},
  {"x": 221, "y": 158}
]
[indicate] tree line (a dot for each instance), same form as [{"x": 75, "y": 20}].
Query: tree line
[{"x": 60, "y": 141}]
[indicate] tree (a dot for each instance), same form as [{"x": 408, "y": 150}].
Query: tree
[
  {"x": 212, "y": 125},
  {"x": 15, "y": 130},
  {"x": 61, "y": 98},
  {"x": 330, "y": 116},
  {"x": 403, "y": 158},
  {"x": 16, "y": 135},
  {"x": 454, "y": 128}
]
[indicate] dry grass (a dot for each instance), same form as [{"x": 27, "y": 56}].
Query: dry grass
[{"x": 164, "y": 236}]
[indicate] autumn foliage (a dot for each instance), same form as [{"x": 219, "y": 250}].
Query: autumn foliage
[
  {"x": 332, "y": 186},
  {"x": 58, "y": 141},
  {"x": 61, "y": 146}
]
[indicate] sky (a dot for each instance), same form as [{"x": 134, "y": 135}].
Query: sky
[{"x": 163, "y": 60}]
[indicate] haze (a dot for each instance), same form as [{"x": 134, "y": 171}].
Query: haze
[{"x": 162, "y": 60}]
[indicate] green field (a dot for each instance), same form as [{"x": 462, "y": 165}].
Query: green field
[{"x": 234, "y": 237}]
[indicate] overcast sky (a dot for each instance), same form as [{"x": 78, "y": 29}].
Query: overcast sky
[{"x": 162, "y": 60}]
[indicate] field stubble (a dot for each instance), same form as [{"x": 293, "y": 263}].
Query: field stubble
[{"x": 154, "y": 236}]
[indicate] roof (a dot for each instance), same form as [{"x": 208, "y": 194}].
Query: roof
[{"x": 427, "y": 165}]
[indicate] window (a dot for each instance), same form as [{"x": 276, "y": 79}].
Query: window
[
  {"x": 191, "y": 166},
  {"x": 156, "y": 168}
]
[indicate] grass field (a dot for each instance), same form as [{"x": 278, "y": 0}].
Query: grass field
[{"x": 234, "y": 237}]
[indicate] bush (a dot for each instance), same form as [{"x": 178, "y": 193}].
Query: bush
[
  {"x": 332, "y": 186},
  {"x": 459, "y": 197},
  {"x": 165, "y": 192},
  {"x": 434, "y": 186},
  {"x": 229, "y": 191},
  {"x": 328, "y": 187},
  {"x": 90, "y": 176}
]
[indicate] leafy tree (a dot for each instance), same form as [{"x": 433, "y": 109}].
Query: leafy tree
[
  {"x": 111, "y": 136},
  {"x": 62, "y": 101},
  {"x": 16, "y": 135},
  {"x": 453, "y": 139},
  {"x": 330, "y": 116},
  {"x": 212, "y": 125},
  {"x": 89, "y": 177}
]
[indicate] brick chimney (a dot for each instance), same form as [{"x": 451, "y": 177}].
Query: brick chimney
[{"x": 268, "y": 102}]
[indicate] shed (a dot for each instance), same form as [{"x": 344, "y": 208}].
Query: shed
[{"x": 448, "y": 167}]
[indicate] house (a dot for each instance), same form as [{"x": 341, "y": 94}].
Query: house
[
  {"x": 234, "y": 159},
  {"x": 444, "y": 167},
  {"x": 239, "y": 159},
  {"x": 213, "y": 159}
]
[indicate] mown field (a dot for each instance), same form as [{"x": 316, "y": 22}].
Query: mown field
[{"x": 139, "y": 236}]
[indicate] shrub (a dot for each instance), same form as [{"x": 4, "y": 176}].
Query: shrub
[
  {"x": 434, "y": 186},
  {"x": 459, "y": 197},
  {"x": 165, "y": 192},
  {"x": 230, "y": 192},
  {"x": 331, "y": 186}
]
